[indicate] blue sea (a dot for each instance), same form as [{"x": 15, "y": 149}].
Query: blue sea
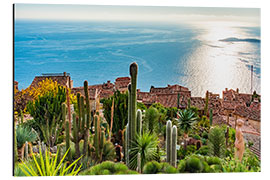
[{"x": 200, "y": 58}]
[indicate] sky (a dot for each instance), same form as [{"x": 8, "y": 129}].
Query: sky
[{"x": 135, "y": 13}]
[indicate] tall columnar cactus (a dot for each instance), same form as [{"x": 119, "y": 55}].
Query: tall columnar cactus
[
  {"x": 81, "y": 124},
  {"x": 15, "y": 142},
  {"x": 129, "y": 119},
  {"x": 139, "y": 164},
  {"x": 178, "y": 100},
  {"x": 133, "y": 100},
  {"x": 126, "y": 144},
  {"x": 206, "y": 103},
  {"x": 188, "y": 103},
  {"x": 168, "y": 141},
  {"x": 211, "y": 117},
  {"x": 174, "y": 143},
  {"x": 139, "y": 122},
  {"x": 68, "y": 141},
  {"x": 21, "y": 114},
  {"x": 133, "y": 104},
  {"x": 26, "y": 150},
  {"x": 97, "y": 135},
  {"x": 88, "y": 118},
  {"x": 101, "y": 143}
]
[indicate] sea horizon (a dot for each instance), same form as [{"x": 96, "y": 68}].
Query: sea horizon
[{"x": 166, "y": 53}]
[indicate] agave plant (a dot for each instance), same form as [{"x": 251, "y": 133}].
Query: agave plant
[
  {"x": 145, "y": 144},
  {"x": 24, "y": 134},
  {"x": 186, "y": 120},
  {"x": 49, "y": 167}
]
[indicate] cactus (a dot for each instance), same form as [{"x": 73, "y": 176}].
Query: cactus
[
  {"x": 133, "y": 100},
  {"x": 15, "y": 143},
  {"x": 81, "y": 124},
  {"x": 206, "y": 103},
  {"x": 68, "y": 141},
  {"x": 211, "y": 117},
  {"x": 132, "y": 120},
  {"x": 139, "y": 168},
  {"x": 97, "y": 134},
  {"x": 126, "y": 144},
  {"x": 168, "y": 141},
  {"x": 171, "y": 142},
  {"x": 139, "y": 122},
  {"x": 178, "y": 100},
  {"x": 21, "y": 114},
  {"x": 188, "y": 103},
  {"x": 88, "y": 118},
  {"x": 174, "y": 143},
  {"x": 26, "y": 150},
  {"x": 101, "y": 143}
]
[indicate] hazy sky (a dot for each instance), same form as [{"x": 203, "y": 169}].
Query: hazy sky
[{"x": 136, "y": 13}]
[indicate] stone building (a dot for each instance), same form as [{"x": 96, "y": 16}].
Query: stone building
[
  {"x": 63, "y": 79},
  {"x": 167, "y": 96}
]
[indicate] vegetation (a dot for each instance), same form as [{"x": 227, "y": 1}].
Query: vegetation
[
  {"x": 146, "y": 145},
  {"x": 124, "y": 137},
  {"x": 24, "y": 134},
  {"x": 154, "y": 167},
  {"x": 187, "y": 118},
  {"x": 151, "y": 119},
  {"x": 47, "y": 113},
  {"x": 47, "y": 166},
  {"x": 216, "y": 142},
  {"x": 108, "y": 168}
]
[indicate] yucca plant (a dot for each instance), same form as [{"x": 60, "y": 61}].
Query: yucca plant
[
  {"x": 145, "y": 144},
  {"x": 24, "y": 134},
  {"x": 186, "y": 120},
  {"x": 47, "y": 166}
]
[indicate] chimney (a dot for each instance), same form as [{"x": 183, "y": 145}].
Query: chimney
[{"x": 65, "y": 74}]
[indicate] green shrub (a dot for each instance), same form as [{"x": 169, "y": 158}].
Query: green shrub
[
  {"x": 196, "y": 136},
  {"x": 181, "y": 166},
  {"x": 205, "y": 135},
  {"x": 154, "y": 167},
  {"x": 106, "y": 168},
  {"x": 204, "y": 150},
  {"x": 206, "y": 167},
  {"x": 194, "y": 165},
  {"x": 213, "y": 160}
]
